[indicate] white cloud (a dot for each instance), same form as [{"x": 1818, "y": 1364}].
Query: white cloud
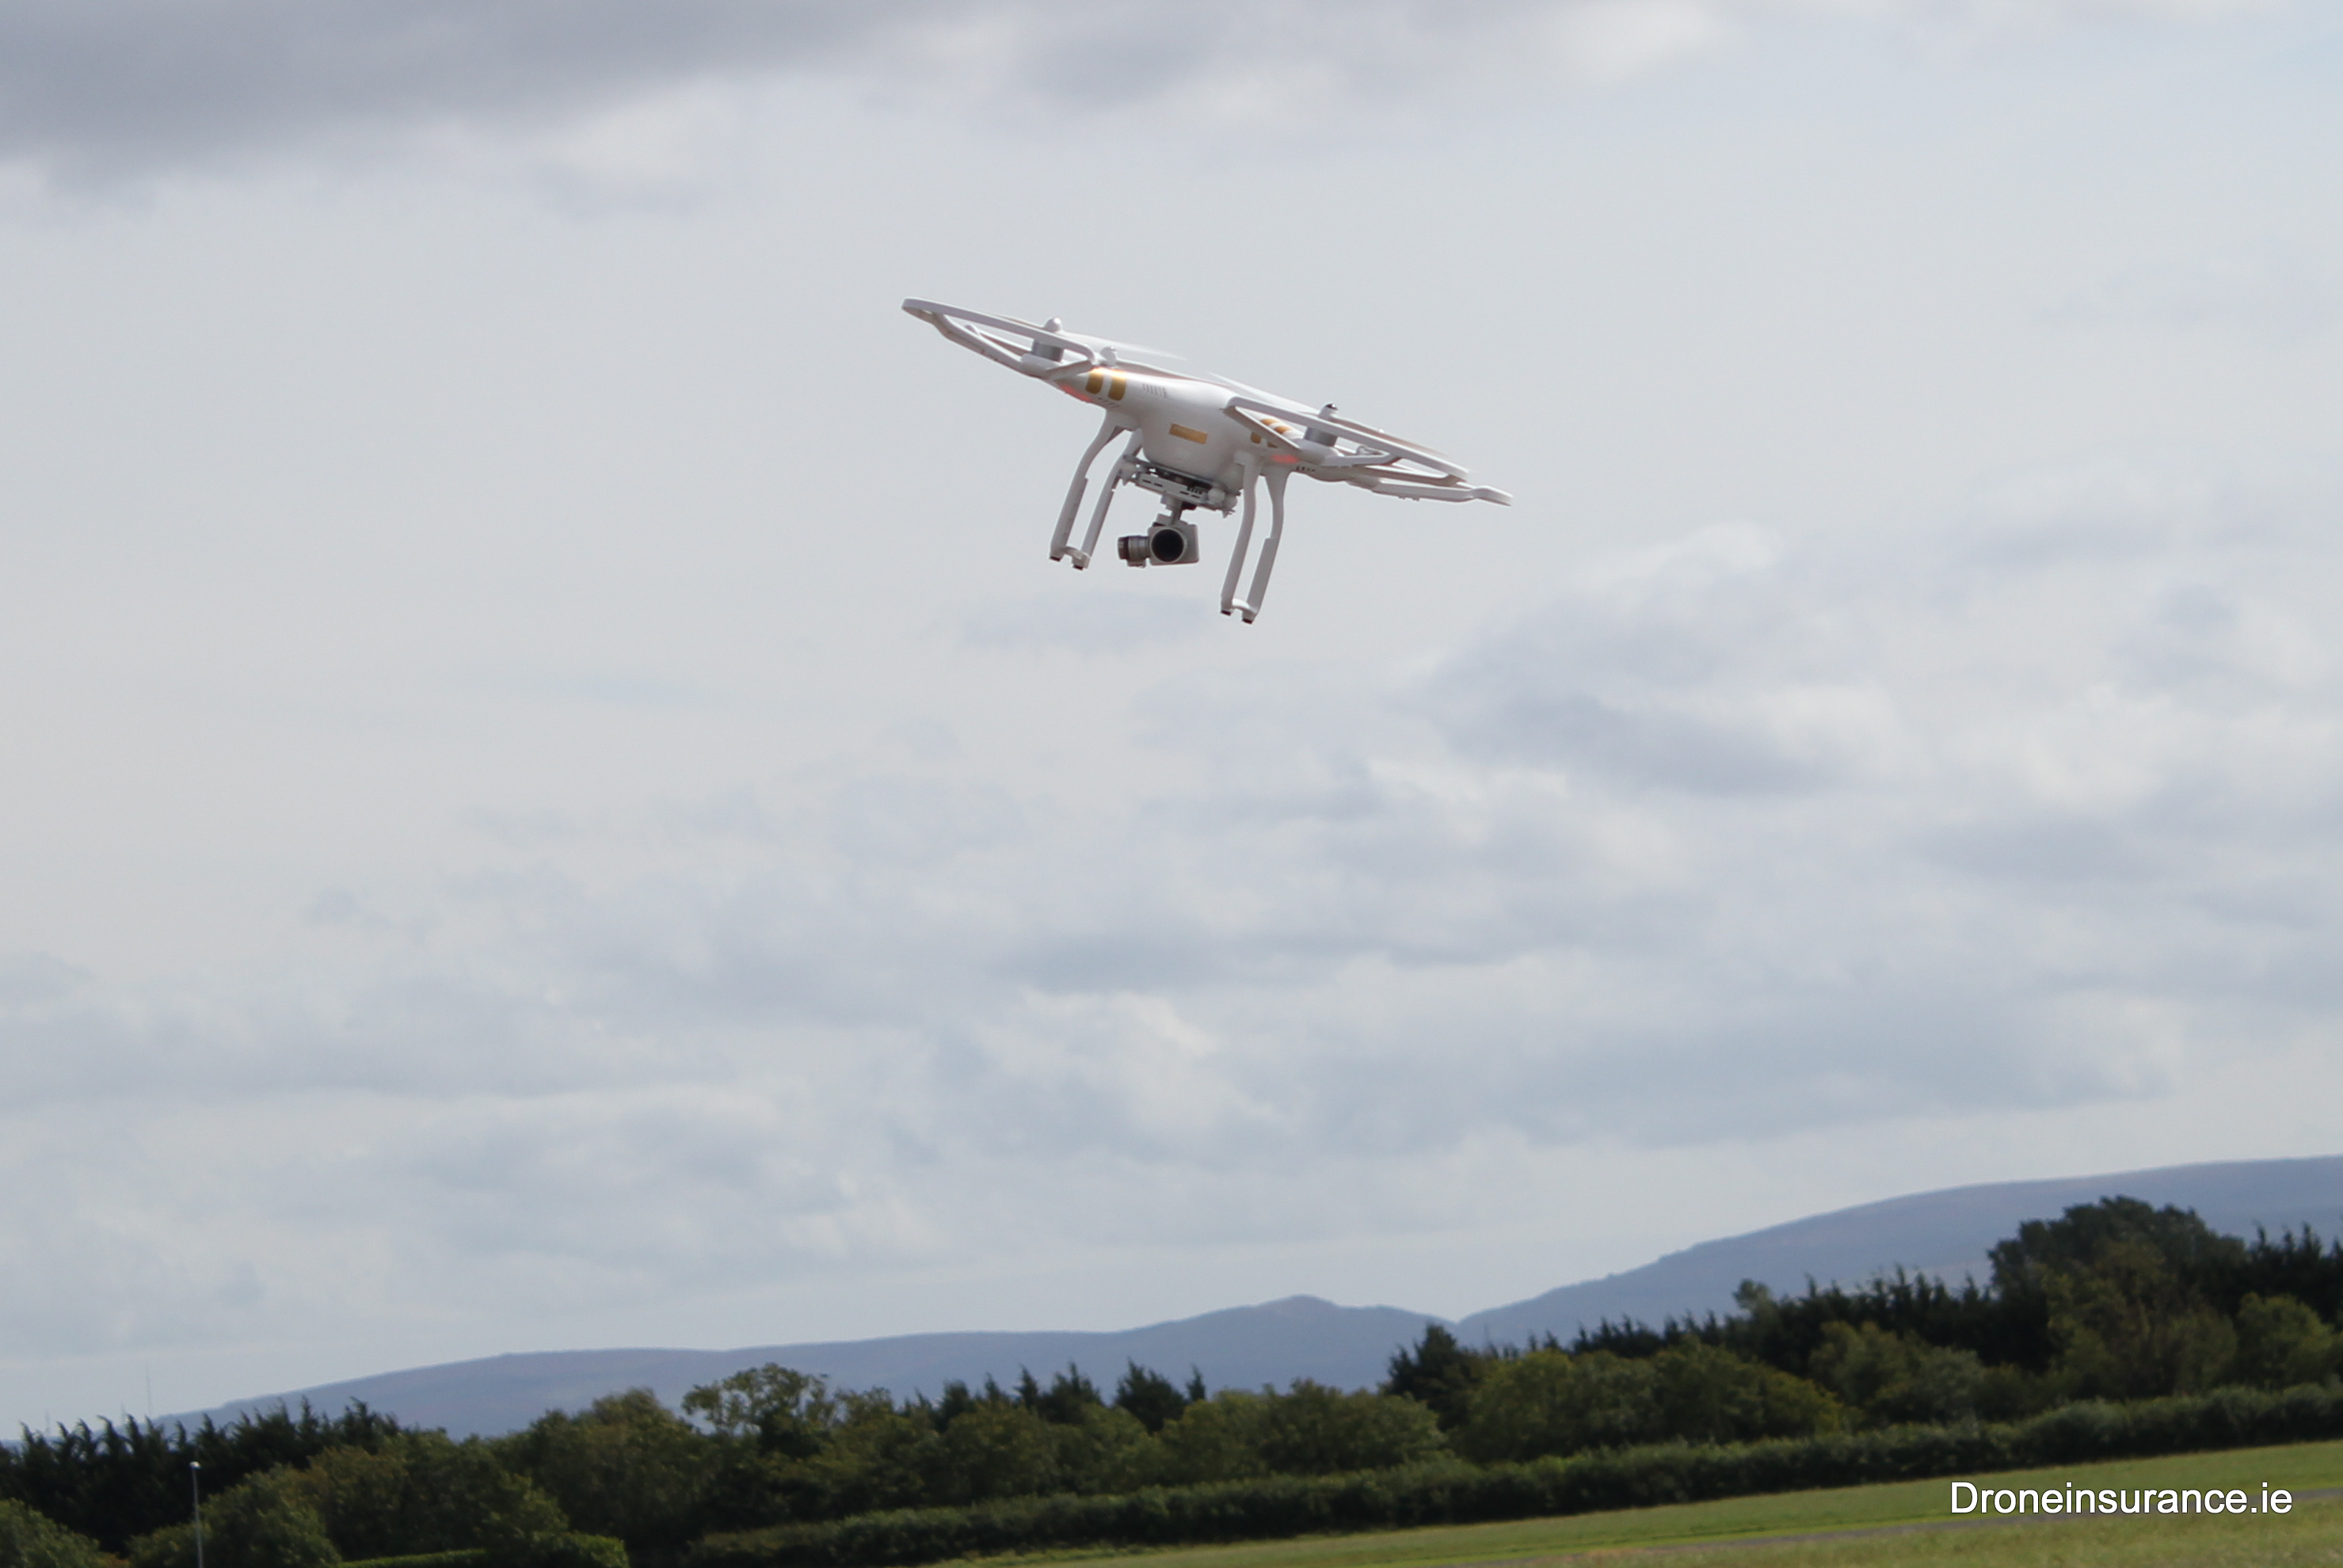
[
  {"x": 2279, "y": 300},
  {"x": 1861, "y": 831}
]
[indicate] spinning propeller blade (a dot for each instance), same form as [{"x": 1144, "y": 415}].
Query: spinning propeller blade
[
  {"x": 1116, "y": 346},
  {"x": 1046, "y": 350}
]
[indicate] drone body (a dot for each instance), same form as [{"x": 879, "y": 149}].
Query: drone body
[{"x": 1198, "y": 442}]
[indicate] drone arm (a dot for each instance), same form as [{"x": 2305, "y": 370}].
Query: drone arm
[
  {"x": 1388, "y": 447},
  {"x": 1263, "y": 430},
  {"x": 1335, "y": 462},
  {"x": 1073, "y": 506}
]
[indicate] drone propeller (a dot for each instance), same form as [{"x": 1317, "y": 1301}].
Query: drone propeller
[
  {"x": 1113, "y": 348},
  {"x": 1047, "y": 350}
]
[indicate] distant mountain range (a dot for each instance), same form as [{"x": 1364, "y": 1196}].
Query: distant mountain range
[{"x": 1945, "y": 1233}]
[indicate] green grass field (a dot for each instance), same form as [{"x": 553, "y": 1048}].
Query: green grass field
[{"x": 1906, "y": 1520}]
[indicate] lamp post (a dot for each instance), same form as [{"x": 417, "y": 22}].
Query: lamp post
[{"x": 196, "y": 1484}]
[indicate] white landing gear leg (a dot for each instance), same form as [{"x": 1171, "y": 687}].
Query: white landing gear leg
[
  {"x": 1124, "y": 468},
  {"x": 1066, "y": 514},
  {"x": 1249, "y": 606},
  {"x": 1244, "y": 542}
]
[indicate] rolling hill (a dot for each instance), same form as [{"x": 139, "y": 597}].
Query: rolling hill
[{"x": 1943, "y": 1233}]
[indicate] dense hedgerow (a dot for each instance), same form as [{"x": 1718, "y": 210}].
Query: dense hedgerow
[
  {"x": 1453, "y": 1492},
  {"x": 32, "y": 1540}
]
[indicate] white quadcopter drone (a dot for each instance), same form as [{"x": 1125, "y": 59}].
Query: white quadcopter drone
[{"x": 1199, "y": 442}]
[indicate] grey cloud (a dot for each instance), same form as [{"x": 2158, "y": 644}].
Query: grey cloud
[
  {"x": 1644, "y": 677},
  {"x": 159, "y": 82},
  {"x": 1345, "y": 919},
  {"x": 66, "y": 1033},
  {"x": 1636, "y": 744},
  {"x": 153, "y": 1298},
  {"x": 922, "y": 822},
  {"x": 552, "y": 1176},
  {"x": 99, "y": 91},
  {"x": 1789, "y": 1057},
  {"x": 2271, "y": 300},
  {"x": 1091, "y": 623},
  {"x": 2048, "y": 848},
  {"x": 35, "y": 980},
  {"x": 1433, "y": 872}
]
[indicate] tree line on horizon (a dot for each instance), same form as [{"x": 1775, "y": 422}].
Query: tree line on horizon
[{"x": 2113, "y": 1302}]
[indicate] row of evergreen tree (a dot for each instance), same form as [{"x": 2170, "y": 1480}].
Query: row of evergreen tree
[{"x": 2114, "y": 1301}]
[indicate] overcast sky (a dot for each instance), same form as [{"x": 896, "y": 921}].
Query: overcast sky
[{"x": 553, "y": 798}]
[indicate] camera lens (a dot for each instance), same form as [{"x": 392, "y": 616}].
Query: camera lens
[{"x": 1169, "y": 545}]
